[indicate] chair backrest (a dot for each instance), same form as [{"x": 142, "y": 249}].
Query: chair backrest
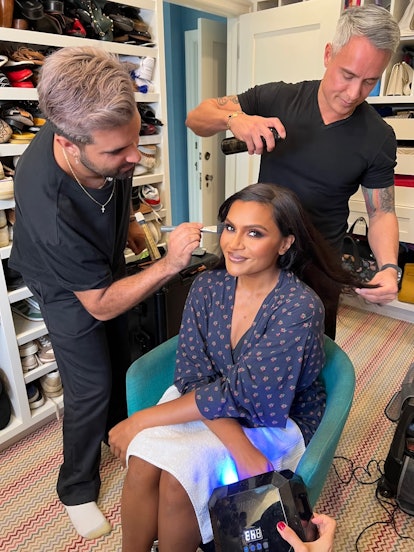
[
  {"x": 150, "y": 375},
  {"x": 338, "y": 375}
]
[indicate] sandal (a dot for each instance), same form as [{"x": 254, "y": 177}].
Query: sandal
[
  {"x": 18, "y": 118},
  {"x": 6, "y": 132},
  {"x": 27, "y": 54}
]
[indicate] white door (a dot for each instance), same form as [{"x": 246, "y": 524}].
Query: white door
[
  {"x": 205, "y": 78},
  {"x": 280, "y": 44}
]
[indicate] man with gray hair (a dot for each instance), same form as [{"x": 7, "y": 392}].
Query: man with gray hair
[
  {"x": 332, "y": 140},
  {"x": 73, "y": 220}
]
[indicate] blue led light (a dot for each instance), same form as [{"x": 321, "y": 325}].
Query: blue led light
[{"x": 228, "y": 473}]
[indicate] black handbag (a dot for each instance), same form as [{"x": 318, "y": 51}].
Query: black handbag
[{"x": 357, "y": 256}]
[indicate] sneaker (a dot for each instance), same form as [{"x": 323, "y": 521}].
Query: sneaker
[
  {"x": 51, "y": 384},
  {"x": 146, "y": 69},
  {"x": 149, "y": 195},
  {"x": 32, "y": 302},
  {"x": 4, "y": 81},
  {"x": 139, "y": 170},
  {"x": 29, "y": 348},
  {"x": 24, "y": 309},
  {"x": 45, "y": 350},
  {"x": 4, "y": 236},
  {"x": 147, "y": 156},
  {"x": 28, "y": 363},
  {"x": 6, "y": 188},
  {"x": 36, "y": 399}
]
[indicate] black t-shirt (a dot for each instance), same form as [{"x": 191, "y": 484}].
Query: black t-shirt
[
  {"x": 61, "y": 237},
  {"x": 323, "y": 164}
]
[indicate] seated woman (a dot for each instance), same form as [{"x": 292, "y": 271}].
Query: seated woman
[{"x": 246, "y": 397}]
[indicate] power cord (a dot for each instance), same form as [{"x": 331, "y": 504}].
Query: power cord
[{"x": 370, "y": 475}]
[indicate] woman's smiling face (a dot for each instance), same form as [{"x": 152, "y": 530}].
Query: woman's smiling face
[{"x": 251, "y": 241}]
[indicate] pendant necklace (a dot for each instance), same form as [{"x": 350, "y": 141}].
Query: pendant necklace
[{"x": 101, "y": 205}]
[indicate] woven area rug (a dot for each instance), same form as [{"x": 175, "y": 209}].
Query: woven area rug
[
  {"x": 381, "y": 350},
  {"x": 32, "y": 518}
]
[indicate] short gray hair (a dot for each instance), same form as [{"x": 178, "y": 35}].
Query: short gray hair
[
  {"x": 370, "y": 21},
  {"x": 84, "y": 89}
]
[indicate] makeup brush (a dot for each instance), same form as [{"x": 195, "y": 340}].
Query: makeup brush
[{"x": 216, "y": 229}]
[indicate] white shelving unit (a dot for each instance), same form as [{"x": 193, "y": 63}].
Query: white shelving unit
[
  {"x": 404, "y": 197},
  {"x": 14, "y": 330}
]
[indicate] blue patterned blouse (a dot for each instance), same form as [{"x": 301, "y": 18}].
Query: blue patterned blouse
[{"x": 273, "y": 374}]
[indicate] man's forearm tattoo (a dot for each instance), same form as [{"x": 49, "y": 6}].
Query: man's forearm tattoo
[{"x": 379, "y": 199}]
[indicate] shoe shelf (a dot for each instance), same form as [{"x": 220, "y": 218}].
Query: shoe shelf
[
  {"x": 19, "y": 294},
  {"x": 35, "y": 38},
  {"x": 14, "y": 329},
  {"x": 23, "y": 94},
  {"x": 148, "y": 178},
  {"x": 47, "y": 411},
  {"x": 26, "y": 330},
  {"x": 17, "y": 429},
  {"x": 9, "y": 150},
  {"x": 41, "y": 370}
]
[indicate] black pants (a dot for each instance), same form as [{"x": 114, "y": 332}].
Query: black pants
[
  {"x": 331, "y": 313},
  {"x": 92, "y": 358}
]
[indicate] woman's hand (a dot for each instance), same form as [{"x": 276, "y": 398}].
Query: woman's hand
[
  {"x": 121, "y": 435},
  {"x": 250, "y": 461},
  {"x": 326, "y": 527}
]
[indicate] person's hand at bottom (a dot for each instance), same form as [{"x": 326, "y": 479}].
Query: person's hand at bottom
[{"x": 326, "y": 527}]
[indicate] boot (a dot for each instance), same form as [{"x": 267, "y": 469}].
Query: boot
[{"x": 6, "y": 13}]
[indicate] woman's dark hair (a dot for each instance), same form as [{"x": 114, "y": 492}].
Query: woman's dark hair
[{"x": 310, "y": 256}]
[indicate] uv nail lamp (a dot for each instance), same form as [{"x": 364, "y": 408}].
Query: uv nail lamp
[{"x": 244, "y": 514}]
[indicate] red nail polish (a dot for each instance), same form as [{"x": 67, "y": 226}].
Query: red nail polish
[{"x": 281, "y": 525}]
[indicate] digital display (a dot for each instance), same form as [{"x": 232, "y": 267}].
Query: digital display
[
  {"x": 252, "y": 534},
  {"x": 244, "y": 514}
]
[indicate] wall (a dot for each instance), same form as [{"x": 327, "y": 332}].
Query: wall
[{"x": 177, "y": 20}]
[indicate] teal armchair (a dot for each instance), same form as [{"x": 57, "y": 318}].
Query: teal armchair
[{"x": 150, "y": 375}]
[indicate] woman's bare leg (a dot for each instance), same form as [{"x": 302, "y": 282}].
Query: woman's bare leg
[
  {"x": 178, "y": 529},
  {"x": 139, "y": 507}
]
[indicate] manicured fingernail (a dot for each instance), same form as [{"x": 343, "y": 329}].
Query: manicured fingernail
[{"x": 281, "y": 525}]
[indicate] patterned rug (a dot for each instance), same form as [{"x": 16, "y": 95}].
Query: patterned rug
[
  {"x": 381, "y": 350},
  {"x": 32, "y": 518}
]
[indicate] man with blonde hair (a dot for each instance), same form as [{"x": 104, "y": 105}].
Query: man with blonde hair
[{"x": 73, "y": 190}]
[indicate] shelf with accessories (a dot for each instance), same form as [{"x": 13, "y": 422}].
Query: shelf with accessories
[
  {"x": 16, "y": 331},
  {"x": 389, "y": 105}
]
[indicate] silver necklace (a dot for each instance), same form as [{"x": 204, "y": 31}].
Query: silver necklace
[{"x": 101, "y": 205}]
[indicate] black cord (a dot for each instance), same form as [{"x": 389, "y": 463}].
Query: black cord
[{"x": 370, "y": 475}]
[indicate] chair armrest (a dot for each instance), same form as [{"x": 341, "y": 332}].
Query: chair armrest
[{"x": 150, "y": 375}]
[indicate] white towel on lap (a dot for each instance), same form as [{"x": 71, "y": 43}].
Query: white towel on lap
[{"x": 200, "y": 461}]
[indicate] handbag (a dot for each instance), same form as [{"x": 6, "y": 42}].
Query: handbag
[
  {"x": 400, "y": 81},
  {"x": 357, "y": 256}
]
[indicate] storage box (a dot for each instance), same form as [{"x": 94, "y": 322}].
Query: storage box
[{"x": 158, "y": 318}]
